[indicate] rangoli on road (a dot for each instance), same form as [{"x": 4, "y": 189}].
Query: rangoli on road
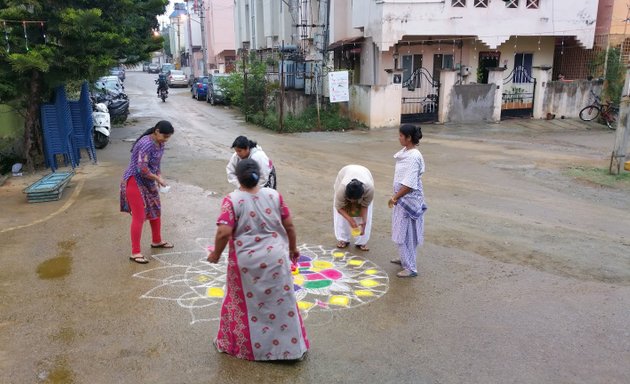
[{"x": 328, "y": 280}]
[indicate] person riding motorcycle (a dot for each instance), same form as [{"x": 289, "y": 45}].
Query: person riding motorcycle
[{"x": 162, "y": 84}]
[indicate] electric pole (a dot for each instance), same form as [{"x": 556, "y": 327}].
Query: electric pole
[{"x": 204, "y": 49}]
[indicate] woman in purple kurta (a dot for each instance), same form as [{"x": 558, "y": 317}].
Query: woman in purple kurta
[
  {"x": 408, "y": 200},
  {"x": 139, "y": 188},
  {"x": 260, "y": 319}
]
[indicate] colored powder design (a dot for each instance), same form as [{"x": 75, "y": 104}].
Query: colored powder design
[
  {"x": 314, "y": 276},
  {"x": 324, "y": 280}
]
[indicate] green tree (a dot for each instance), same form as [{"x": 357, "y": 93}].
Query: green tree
[
  {"x": 614, "y": 75},
  {"x": 52, "y": 42},
  {"x": 246, "y": 88},
  {"x": 615, "y": 71}
]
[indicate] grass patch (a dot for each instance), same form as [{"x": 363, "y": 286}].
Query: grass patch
[
  {"x": 330, "y": 120},
  {"x": 600, "y": 176}
]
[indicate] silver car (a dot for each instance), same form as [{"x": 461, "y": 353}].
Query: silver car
[
  {"x": 177, "y": 77},
  {"x": 110, "y": 83}
]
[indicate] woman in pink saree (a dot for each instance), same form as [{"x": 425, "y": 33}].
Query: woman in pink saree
[{"x": 259, "y": 319}]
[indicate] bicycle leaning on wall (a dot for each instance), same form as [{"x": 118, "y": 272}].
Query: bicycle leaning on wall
[{"x": 607, "y": 112}]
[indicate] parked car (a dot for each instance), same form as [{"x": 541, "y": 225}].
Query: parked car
[
  {"x": 145, "y": 66},
  {"x": 199, "y": 88},
  {"x": 176, "y": 77},
  {"x": 154, "y": 68},
  {"x": 118, "y": 71},
  {"x": 110, "y": 84},
  {"x": 166, "y": 67},
  {"x": 216, "y": 94}
]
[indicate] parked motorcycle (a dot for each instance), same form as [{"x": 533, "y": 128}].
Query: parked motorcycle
[
  {"x": 117, "y": 105},
  {"x": 118, "y": 110},
  {"x": 102, "y": 126}
]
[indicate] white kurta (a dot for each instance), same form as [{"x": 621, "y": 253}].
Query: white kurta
[{"x": 341, "y": 225}]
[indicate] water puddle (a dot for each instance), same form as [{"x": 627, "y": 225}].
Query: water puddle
[
  {"x": 55, "y": 268},
  {"x": 58, "y": 373},
  {"x": 59, "y": 266}
]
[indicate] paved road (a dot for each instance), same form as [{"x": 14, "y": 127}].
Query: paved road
[{"x": 525, "y": 275}]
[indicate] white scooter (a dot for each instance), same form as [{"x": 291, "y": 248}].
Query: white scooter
[{"x": 102, "y": 126}]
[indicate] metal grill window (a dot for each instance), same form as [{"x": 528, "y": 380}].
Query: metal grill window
[
  {"x": 575, "y": 62},
  {"x": 481, "y": 3},
  {"x": 523, "y": 68},
  {"x": 511, "y": 4},
  {"x": 533, "y": 4},
  {"x": 458, "y": 3}
]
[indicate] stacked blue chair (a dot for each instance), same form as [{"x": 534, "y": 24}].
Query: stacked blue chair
[
  {"x": 55, "y": 141},
  {"x": 81, "y": 112},
  {"x": 57, "y": 128}
]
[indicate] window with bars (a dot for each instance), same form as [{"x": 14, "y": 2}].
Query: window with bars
[
  {"x": 523, "y": 68},
  {"x": 411, "y": 63},
  {"x": 481, "y": 3},
  {"x": 511, "y": 4},
  {"x": 458, "y": 3},
  {"x": 532, "y": 4}
]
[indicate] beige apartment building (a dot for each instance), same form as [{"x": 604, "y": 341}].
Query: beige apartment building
[{"x": 396, "y": 51}]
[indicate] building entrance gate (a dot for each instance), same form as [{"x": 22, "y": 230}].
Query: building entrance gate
[
  {"x": 519, "y": 88},
  {"x": 420, "y": 96}
]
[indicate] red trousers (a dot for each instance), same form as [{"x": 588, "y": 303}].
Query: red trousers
[{"x": 138, "y": 216}]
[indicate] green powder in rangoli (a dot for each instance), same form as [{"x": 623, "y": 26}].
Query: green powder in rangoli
[{"x": 317, "y": 284}]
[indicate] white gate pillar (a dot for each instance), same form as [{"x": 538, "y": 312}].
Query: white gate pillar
[
  {"x": 542, "y": 75},
  {"x": 448, "y": 77},
  {"x": 618, "y": 156},
  {"x": 495, "y": 76}
]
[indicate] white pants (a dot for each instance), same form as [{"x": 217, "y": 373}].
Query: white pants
[{"x": 343, "y": 230}]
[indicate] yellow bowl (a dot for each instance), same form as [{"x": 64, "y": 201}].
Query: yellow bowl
[{"x": 356, "y": 232}]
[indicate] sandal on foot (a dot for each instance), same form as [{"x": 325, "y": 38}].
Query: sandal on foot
[
  {"x": 342, "y": 244},
  {"x": 407, "y": 273},
  {"x": 165, "y": 244},
  {"x": 138, "y": 259},
  {"x": 362, "y": 247},
  {"x": 395, "y": 261}
]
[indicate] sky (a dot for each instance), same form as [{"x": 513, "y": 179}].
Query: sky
[{"x": 163, "y": 19}]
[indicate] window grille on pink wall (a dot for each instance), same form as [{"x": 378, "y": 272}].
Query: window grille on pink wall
[{"x": 532, "y": 4}]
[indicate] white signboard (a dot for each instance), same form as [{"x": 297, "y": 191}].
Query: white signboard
[{"x": 338, "y": 86}]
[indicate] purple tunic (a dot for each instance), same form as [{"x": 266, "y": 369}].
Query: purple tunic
[{"x": 145, "y": 160}]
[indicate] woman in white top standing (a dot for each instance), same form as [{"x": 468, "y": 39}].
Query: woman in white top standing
[
  {"x": 248, "y": 149},
  {"x": 408, "y": 200}
]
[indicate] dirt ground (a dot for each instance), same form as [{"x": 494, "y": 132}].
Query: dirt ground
[{"x": 524, "y": 275}]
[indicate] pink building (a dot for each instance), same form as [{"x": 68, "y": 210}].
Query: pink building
[
  {"x": 211, "y": 27},
  {"x": 220, "y": 31}
]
